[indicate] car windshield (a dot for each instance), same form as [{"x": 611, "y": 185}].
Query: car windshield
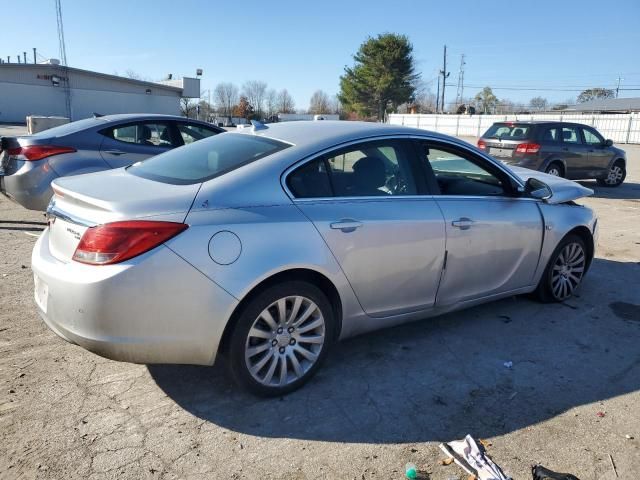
[
  {"x": 508, "y": 131},
  {"x": 206, "y": 159}
]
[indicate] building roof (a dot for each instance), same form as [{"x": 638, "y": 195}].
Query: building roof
[
  {"x": 59, "y": 69},
  {"x": 608, "y": 105}
]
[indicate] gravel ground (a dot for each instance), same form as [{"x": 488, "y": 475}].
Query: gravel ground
[{"x": 571, "y": 399}]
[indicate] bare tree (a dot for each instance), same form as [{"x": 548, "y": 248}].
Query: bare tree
[
  {"x": 132, "y": 74},
  {"x": 538, "y": 103},
  {"x": 255, "y": 91},
  {"x": 319, "y": 103},
  {"x": 187, "y": 107},
  {"x": 271, "y": 103},
  {"x": 226, "y": 97},
  {"x": 285, "y": 102}
]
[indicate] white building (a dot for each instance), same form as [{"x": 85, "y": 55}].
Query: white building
[{"x": 52, "y": 90}]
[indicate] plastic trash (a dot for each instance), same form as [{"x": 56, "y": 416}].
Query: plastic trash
[
  {"x": 411, "y": 471},
  {"x": 540, "y": 473},
  {"x": 508, "y": 364}
]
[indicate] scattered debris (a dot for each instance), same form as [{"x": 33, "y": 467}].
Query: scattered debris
[
  {"x": 613, "y": 465},
  {"x": 508, "y": 364},
  {"x": 601, "y": 414},
  {"x": 513, "y": 395},
  {"x": 411, "y": 471},
  {"x": 472, "y": 457},
  {"x": 541, "y": 473},
  {"x": 447, "y": 461},
  {"x": 628, "y": 437}
]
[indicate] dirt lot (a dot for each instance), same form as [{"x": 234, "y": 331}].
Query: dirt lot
[{"x": 380, "y": 401}]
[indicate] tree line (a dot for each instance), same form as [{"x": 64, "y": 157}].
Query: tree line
[{"x": 383, "y": 79}]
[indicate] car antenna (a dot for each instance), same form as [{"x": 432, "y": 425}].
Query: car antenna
[{"x": 256, "y": 125}]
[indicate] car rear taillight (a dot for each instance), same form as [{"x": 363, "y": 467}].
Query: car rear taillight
[
  {"x": 31, "y": 153},
  {"x": 528, "y": 148},
  {"x": 482, "y": 145},
  {"x": 119, "y": 241}
]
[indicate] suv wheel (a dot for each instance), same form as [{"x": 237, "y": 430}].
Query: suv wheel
[
  {"x": 281, "y": 338},
  {"x": 615, "y": 177},
  {"x": 555, "y": 169}
]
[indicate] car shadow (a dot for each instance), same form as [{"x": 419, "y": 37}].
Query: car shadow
[
  {"x": 445, "y": 377},
  {"x": 626, "y": 191}
]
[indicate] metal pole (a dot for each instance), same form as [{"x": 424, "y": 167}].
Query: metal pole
[
  {"x": 24, "y": 56},
  {"x": 444, "y": 76},
  {"x": 34, "y": 55}
]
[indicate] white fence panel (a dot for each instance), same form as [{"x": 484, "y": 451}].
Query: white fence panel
[{"x": 624, "y": 128}]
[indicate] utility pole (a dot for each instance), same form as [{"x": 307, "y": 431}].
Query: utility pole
[
  {"x": 460, "y": 91},
  {"x": 618, "y": 87},
  {"x": 66, "y": 81},
  {"x": 34, "y": 55},
  {"x": 438, "y": 96},
  {"x": 445, "y": 75}
]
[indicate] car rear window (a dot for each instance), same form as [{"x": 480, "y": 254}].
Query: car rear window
[
  {"x": 206, "y": 159},
  {"x": 68, "y": 128},
  {"x": 508, "y": 131}
]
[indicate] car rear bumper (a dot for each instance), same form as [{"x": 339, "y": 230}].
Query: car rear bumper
[
  {"x": 155, "y": 308},
  {"x": 29, "y": 184}
]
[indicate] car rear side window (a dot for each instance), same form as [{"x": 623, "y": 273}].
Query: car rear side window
[
  {"x": 550, "y": 135},
  {"x": 149, "y": 134},
  {"x": 206, "y": 159},
  {"x": 310, "y": 180}
]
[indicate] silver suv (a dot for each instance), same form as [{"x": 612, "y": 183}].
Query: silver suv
[{"x": 569, "y": 150}]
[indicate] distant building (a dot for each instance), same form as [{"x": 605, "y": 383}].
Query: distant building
[
  {"x": 49, "y": 89},
  {"x": 607, "y": 105}
]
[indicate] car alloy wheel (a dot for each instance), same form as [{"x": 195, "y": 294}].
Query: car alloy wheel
[
  {"x": 285, "y": 341},
  {"x": 567, "y": 270},
  {"x": 615, "y": 176},
  {"x": 554, "y": 170}
]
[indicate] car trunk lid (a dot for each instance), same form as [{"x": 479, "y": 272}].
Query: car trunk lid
[{"x": 83, "y": 201}]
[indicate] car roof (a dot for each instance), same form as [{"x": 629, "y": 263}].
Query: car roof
[
  {"x": 327, "y": 133},
  {"x": 539, "y": 122},
  {"x": 139, "y": 116}
]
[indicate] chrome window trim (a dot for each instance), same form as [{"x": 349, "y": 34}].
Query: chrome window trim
[
  {"x": 412, "y": 136},
  {"x": 54, "y": 212}
]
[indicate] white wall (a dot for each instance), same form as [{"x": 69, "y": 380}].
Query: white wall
[
  {"x": 19, "y": 100},
  {"x": 623, "y": 128}
]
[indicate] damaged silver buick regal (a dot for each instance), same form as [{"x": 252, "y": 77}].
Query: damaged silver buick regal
[{"x": 268, "y": 244}]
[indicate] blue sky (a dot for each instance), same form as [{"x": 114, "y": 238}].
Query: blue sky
[{"x": 304, "y": 45}]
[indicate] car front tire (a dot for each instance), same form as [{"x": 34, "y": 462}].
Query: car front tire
[
  {"x": 565, "y": 270},
  {"x": 281, "y": 338}
]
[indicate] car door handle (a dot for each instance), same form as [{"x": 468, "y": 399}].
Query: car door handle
[
  {"x": 346, "y": 225},
  {"x": 115, "y": 152},
  {"x": 463, "y": 223}
]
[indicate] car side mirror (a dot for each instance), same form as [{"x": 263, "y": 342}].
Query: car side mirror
[
  {"x": 537, "y": 189},
  {"x": 608, "y": 142}
]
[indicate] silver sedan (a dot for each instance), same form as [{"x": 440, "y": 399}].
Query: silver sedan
[{"x": 268, "y": 244}]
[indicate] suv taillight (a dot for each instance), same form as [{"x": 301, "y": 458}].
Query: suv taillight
[
  {"x": 482, "y": 145},
  {"x": 119, "y": 241},
  {"x": 527, "y": 148},
  {"x": 31, "y": 153}
]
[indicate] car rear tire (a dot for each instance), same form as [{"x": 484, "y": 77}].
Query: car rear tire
[
  {"x": 556, "y": 169},
  {"x": 565, "y": 270},
  {"x": 281, "y": 338},
  {"x": 616, "y": 175}
]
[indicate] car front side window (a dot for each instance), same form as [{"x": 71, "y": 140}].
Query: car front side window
[
  {"x": 570, "y": 135},
  {"x": 591, "y": 137},
  {"x": 458, "y": 173}
]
